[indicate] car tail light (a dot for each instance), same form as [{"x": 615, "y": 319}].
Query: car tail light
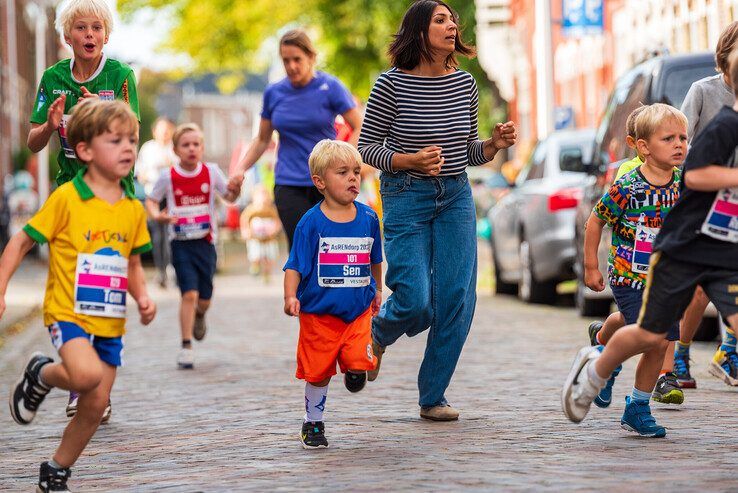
[{"x": 567, "y": 198}]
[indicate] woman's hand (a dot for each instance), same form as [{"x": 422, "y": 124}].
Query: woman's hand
[
  {"x": 428, "y": 160},
  {"x": 504, "y": 135}
]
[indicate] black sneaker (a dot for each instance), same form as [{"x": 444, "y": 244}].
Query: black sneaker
[
  {"x": 199, "y": 329},
  {"x": 354, "y": 382},
  {"x": 29, "y": 392},
  {"x": 52, "y": 479},
  {"x": 593, "y": 329},
  {"x": 313, "y": 435},
  {"x": 667, "y": 390}
]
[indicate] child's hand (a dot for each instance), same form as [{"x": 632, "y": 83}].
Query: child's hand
[
  {"x": 593, "y": 279},
  {"x": 234, "y": 185},
  {"x": 292, "y": 306},
  {"x": 147, "y": 309},
  {"x": 56, "y": 112},
  {"x": 377, "y": 302},
  {"x": 87, "y": 94},
  {"x": 165, "y": 218}
]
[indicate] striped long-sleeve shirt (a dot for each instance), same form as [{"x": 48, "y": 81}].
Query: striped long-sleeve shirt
[{"x": 406, "y": 113}]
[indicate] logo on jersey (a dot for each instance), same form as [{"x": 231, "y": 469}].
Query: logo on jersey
[
  {"x": 324, "y": 86},
  {"x": 369, "y": 353},
  {"x": 41, "y": 99},
  {"x": 205, "y": 187},
  {"x": 124, "y": 90},
  {"x": 59, "y": 92},
  {"x": 106, "y": 95}
]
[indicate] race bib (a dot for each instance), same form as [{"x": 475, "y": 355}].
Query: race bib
[
  {"x": 722, "y": 220},
  {"x": 100, "y": 285},
  {"x": 642, "y": 248},
  {"x": 344, "y": 262},
  {"x": 68, "y": 151},
  {"x": 193, "y": 222}
]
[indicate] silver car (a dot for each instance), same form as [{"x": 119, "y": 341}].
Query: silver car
[{"x": 533, "y": 226}]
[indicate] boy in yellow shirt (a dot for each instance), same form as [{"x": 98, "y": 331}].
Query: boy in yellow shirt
[{"x": 96, "y": 231}]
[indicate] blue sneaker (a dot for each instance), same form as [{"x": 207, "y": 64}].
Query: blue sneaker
[
  {"x": 604, "y": 398},
  {"x": 681, "y": 370},
  {"x": 637, "y": 417}
]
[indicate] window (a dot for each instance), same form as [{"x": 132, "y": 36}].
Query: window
[{"x": 571, "y": 159}]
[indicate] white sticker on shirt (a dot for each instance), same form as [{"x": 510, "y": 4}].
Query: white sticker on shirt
[
  {"x": 68, "y": 151},
  {"x": 193, "y": 222},
  {"x": 344, "y": 262},
  {"x": 722, "y": 220},
  {"x": 100, "y": 285},
  {"x": 642, "y": 248}
]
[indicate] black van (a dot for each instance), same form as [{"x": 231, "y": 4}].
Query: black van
[{"x": 662, "y": 79}]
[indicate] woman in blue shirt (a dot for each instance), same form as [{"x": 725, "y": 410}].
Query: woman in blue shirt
[{"x": 302, "y": 108}]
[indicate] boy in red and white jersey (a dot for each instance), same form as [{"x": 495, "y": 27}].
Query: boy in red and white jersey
[{"x": 190, "y": 188}]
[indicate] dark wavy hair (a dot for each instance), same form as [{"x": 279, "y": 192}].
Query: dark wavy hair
[{"x": 411, "y": 45}]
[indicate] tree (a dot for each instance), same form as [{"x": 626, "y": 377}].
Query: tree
[{"x": 352, "y": 35}]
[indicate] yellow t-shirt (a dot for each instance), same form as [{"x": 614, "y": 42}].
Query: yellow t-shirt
[
  {"x": 90, "y": 241},
  {"x": 628, "y": 166}
]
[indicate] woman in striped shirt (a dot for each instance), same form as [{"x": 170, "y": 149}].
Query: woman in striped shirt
[{"x": 420, "y": 130}]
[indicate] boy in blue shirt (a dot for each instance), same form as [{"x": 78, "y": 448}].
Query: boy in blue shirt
[{"x": 333, "y": 281}]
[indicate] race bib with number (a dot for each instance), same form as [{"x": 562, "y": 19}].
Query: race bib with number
[
  {"x": 68, "y": 151},
  {"x": 100, "y": 285},
  {"x": 642, "y": 248},
  {"x": 722, "y": 220},
  {"x": 193, "y": 222},
  {"x": 344, "y": 262}
]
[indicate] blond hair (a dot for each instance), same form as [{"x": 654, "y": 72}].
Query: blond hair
[
  {"x": 327, "y": 152},
  {"x": 630, "y": 123},
  {"x": 655, "y": 115},
  {"x": 183, "y": 129},
  {"x": 84, "y": 8},
  {"x": 93, "y": 117}
]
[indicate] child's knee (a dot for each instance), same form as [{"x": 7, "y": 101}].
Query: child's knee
[
  {"x": 85, "y": 379},
  {"x": 190, "y": 296},
  {"x": 653, "y": 340}
]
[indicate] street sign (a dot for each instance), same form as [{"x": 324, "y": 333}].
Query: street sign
[
  {"x": 563, "y": 117},
  {"x": 582, "y": 17}
]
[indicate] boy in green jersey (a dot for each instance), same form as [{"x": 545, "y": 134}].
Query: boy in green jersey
[{"x": 86, "y": 26}]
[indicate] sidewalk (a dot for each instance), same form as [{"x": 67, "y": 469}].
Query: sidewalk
[{"x": 24, "y": 297}]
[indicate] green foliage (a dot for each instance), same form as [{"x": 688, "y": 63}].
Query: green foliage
[{"x": 224, "y": 36}]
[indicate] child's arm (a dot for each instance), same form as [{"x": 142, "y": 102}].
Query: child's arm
[
  {"x": 377, "y": 275},
  {"x": 17, "y": 248},
  {"x": 40, "y": 133},
  {"x": 291, "y": 303},
  {"x": 592, "y": 234},
  {"x": 137, "y": 288},
  {"x": 711, "y": 178},
  {"x": 152, "y": 208}
]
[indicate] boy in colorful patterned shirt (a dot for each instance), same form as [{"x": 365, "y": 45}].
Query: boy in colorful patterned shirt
[
  {"x": 86, "y": 27},
  {"x": 96, "y": 232},
  {"x": 332, "y": 281},
  {"x": 635, "y": 207}
]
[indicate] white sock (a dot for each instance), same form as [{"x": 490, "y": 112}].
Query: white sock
[
  {"x": 314, "y": 402},
  {"x": 593, "y": 376}
]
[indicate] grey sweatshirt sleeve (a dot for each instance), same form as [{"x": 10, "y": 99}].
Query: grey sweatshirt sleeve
[{"x": 692, "y": 108}]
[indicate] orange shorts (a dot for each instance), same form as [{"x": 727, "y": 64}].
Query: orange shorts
[{"x": 325, "y": 340}]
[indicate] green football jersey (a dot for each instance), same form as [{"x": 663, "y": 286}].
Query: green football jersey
[{"x": 112, "y": 80}]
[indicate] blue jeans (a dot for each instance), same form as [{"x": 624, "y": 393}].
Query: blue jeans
[{"x": 431, "y": 250}]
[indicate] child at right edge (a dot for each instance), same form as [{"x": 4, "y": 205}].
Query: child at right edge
[
  {"x": 697, "y": 246},
  {"x": 332, "y": 281}
]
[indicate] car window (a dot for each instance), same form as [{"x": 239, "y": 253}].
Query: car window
[
  {"x": 538, "y": 163},
  {"x": 678, "y": 80},
  {"x": 571, "y": 158}
]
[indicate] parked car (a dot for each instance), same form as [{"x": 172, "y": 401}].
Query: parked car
[
  {"x": 533, "y": 225},
  {"x": 664, "y": 79}
]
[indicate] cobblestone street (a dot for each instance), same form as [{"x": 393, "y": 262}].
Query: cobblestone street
[{"x": 232, "y": 424}]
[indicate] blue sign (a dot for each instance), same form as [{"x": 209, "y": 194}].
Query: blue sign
[
  {"x": 581, "y": 17},
  {"x": 563, "y": 117}
]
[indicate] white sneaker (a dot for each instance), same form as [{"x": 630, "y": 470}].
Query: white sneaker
[
  {"x": 186, "y": 359},
  {"x": 579, "y": 392}
]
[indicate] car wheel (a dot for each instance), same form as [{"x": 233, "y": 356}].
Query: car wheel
[
  {"x": 530, "y": 289},
  {"x": 588, "y": 307},
  {"x": 502, "y": 287},
  {"x": 708, "y": 330}
]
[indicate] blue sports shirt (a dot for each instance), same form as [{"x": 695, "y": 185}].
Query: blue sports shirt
[
  {"x": 334, "y": 261},
  {"x": 303, "y": 116}
]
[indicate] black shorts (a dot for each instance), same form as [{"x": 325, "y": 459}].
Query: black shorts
[{"x": 670, "y": 288}]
